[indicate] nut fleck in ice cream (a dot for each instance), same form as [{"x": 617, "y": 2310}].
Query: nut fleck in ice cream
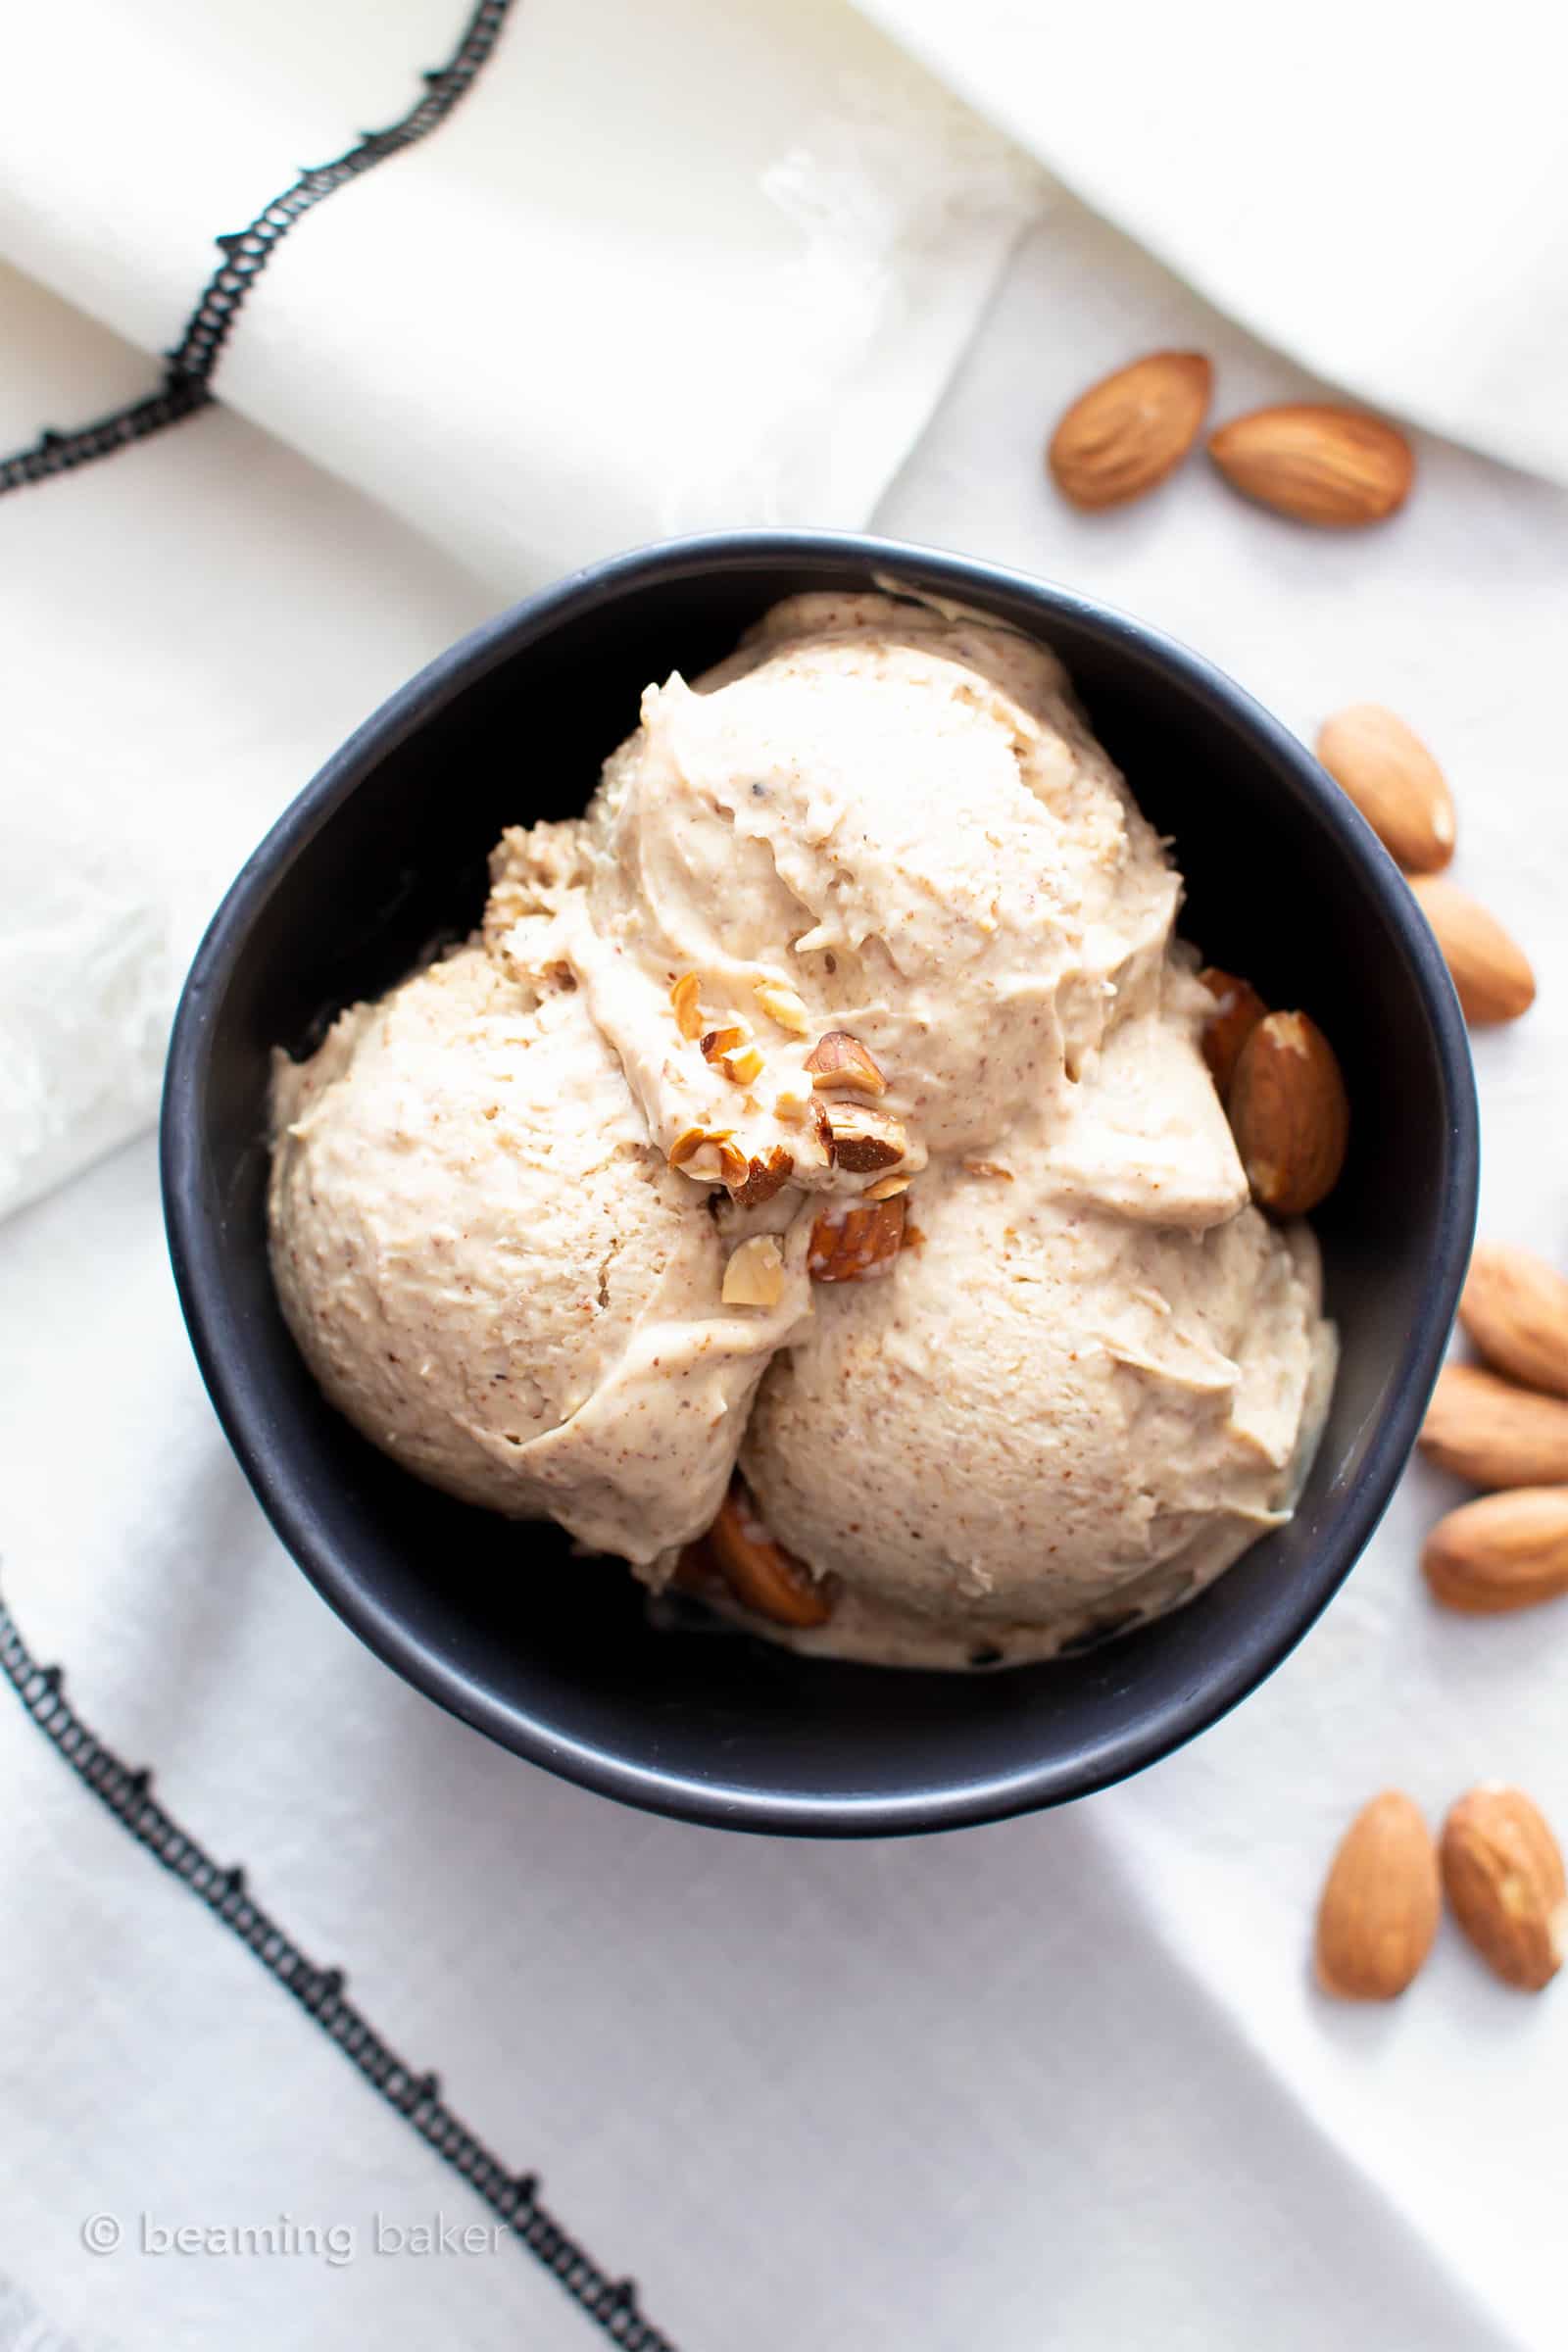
[{"x": 809, "y": 1184}]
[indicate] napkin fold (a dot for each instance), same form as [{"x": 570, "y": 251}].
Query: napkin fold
[
  {"x": 1376, "y": 190},
  {"x": 654, "y": 271}
]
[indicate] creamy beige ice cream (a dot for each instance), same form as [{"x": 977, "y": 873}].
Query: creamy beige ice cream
[
  {"x": 866, "y": 910},
  {"x": 494, "y": 1275}
]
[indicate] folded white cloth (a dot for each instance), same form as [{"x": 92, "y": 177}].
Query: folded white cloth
[
  {"x": 1374, "y": 189},
  {"x": 658, "y": 269},
  {"x": 1062, "y": 2080}
]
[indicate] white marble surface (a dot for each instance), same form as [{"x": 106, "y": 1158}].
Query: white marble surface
[{"x": 1059, "y": 2081}]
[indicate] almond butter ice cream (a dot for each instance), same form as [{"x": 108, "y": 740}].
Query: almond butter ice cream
[{"x": 828, "y": 1099}]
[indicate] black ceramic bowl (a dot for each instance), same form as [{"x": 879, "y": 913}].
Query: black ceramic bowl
[{"x": 554, "y": 1656}]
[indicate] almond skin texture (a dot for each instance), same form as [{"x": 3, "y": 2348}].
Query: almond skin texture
[
  {"x": 1503, "y": 1876},
  {"x": 1494, "y": 1433},
  {"x": 1238, "y": 1009},
  {"x": 1395, "y": 781},
  {"x": 1326, "y": 466},
  {"x": 1492, "y": 976},
  {"x": 761, "y": 1574},
  {"x": 1126, "y": 433},
  {"x": 1515, "y": 1308},
  {"x": 1380, "y": 1906},
  {"x": 1506, "y": 1552},
  {"x": 859, "y": 1243},
  {"x": 1290, "y": 1115}
]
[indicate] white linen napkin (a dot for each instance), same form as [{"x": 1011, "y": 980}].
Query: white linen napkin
[
  {"x": 1376, "y": 188},
  {"x": 657, "y": 269}
]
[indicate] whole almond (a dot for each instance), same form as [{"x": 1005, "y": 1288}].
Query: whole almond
[
  {"x": 1290, "y": 1115},
  {"x": 1506, "y": 1552},
  {"x": 1515, "y": 1308},
  {"x": 1395, "y": 781},
  {"x": 1503, "y": 1876},
  {"x": 1317, "y": 464},
  {"x": 1494, "y": 1433},
  {"x": 1238, "y": 1009},
  {"x": 1126, "y": 433},
  {"x": 1492, "y": 976},
  {"x": 1378, "y": 1910}
]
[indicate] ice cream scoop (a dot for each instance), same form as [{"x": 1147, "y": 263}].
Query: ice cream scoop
[
  {"x": 490, "y": 1270},
  {"x": 879, "y": 820},
  {"x": 1050, "y": 1422}
]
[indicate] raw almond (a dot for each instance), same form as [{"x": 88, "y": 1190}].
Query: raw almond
[
  {"x": 1395, "y": 781},
  {"x": 1290, "y": 1115},
  {"x": 862, "y": 1141},
  {"x": 839, "y": 1061},
  {"x": 1126, "y": 433},
  {"x": 754, "y": 1273},
  {"x": 764, "y": 1177},
  {"x": 1503, "y": 1876},
  {"x": 1506, "y": 1552},
  {"x": 853, "y": 1244},
  {"x": 762, "y": 1575},
  {"x": 1492, "y": 976},
  {"x": 1515, "y": 1308},
  {"x": 1380, "y": 1906},
  {"x": 1494, "y": 1433},
  {"x": 1327, "y": 465},
  {"x": 1238, "y": 1009}
]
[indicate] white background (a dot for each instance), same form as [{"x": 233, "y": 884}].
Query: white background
[{"x": 1063, "y": 2081}]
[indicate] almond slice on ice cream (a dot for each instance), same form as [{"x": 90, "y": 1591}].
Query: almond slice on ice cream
[
  {"x": 839, "y": 1060},
  {"x": 765, "y": 1177},
  {"x": 683, "y": 1003},
  {"x": 754, "y": 1274},
  {"x": 863, "y": 1140}
]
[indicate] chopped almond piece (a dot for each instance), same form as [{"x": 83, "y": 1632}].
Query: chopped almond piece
[
  {"x": 742, "y": 1067},
  {"x": 691, "y": 1139},
  {"x": 683, "y": 1000},
  {"x": 888, "y": 1190},
  {"x": 733, "y": 1165},
  {"x": 839, "y": 1060},
  {"x": 754, "y": 1274},
  {"x": 858, "y": 1242},
  {"x": 761, "y": 1574},
  {"x": 862, "y": 1143},
  {"x": 719, "y": 1042},
  {"x": 783, "y": 1006},
  {"x": 765, "y": 1177}
]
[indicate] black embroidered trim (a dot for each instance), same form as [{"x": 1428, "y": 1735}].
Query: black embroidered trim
[
  {"x": 187, "y": 377},
  {"x": 513, "y": 2197}
]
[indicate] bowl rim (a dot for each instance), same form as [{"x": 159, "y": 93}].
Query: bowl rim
[{"x": 219, "y": 1345}]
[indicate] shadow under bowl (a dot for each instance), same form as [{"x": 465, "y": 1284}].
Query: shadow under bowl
[{"x": 556, "y": 1657}]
